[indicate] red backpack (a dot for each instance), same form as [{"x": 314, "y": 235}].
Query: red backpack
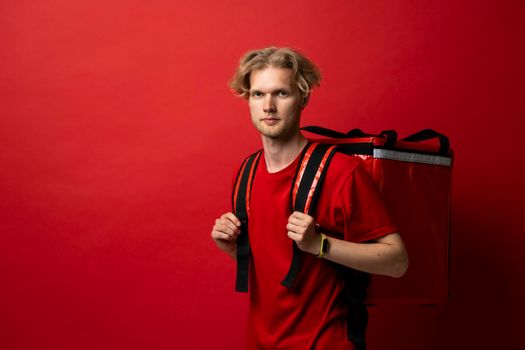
[{"x": 413, "y": 176}]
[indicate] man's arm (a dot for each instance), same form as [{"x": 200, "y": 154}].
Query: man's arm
[{"x": 385, "y": 256}]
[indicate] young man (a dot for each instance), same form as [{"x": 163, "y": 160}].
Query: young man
[{"x": 312, "y": 314}]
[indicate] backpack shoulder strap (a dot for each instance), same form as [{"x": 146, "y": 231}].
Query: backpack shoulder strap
[
  {"x": 306, "y": 187},
  {"x": 309, "y": 177},
  {"x": 241, "y": 208}
]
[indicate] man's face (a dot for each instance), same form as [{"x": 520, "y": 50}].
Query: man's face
[{"x": 275, "y": 102}]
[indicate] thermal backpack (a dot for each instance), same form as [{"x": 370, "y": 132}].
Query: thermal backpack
[{"x": 413, "y": 176}]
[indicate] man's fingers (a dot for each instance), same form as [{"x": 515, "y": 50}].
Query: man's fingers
[
  {"x": 295, "y": 228},
  {"x": 301, "y": 219},
  {"x": 232, "y": 218},
  {"x": 300, "y": 215},
  {"x": 294, "y": 236},
  {"x": 222, "y": 235},
  {"x": 297, "y": 221},
  {"x": 227, "y": 224},
  {"x": 227, "y": 228}
]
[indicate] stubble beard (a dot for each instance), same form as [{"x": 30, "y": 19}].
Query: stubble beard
[{"x": 279, "y": 131}]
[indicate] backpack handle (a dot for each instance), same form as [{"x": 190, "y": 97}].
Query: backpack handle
[
  {"x": 319, "y": 130},
  {"x": 389, "y": 135},
  {"x": 428, "y": 134}
]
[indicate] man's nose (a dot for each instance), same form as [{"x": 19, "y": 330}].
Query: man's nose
[{"x": 269, "y": 104}]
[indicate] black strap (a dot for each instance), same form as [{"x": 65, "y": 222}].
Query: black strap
[
  {"x": 239, "y": 196},
  {"x": 356, "y": 287},
  {"x": 301, "y": 198},
  {"x": 355, "y": 133},
  {"x": 357, "y": 322},
  {"x": 362, "y": 148},
  {"x": 389, "y": 135},
  {"x": 427, "y": 134},
  {"x": 356, "y": 282},
  {"x": 319, "y": 130},
  {"x": 295, "y": 265},
  {"x": 309, "y": 176}
]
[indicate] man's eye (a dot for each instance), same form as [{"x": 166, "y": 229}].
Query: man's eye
[
  {"x": 256, "y": 94},
  {"x": 282, "y": 93}
]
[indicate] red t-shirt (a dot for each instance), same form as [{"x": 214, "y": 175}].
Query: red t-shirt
[{"x": 312, "y": 314}]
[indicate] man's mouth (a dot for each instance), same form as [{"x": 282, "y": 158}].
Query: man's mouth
[{"x": 270, "y": 120}]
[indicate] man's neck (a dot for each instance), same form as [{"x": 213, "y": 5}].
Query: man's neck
[{"x": 281, "y": 153}]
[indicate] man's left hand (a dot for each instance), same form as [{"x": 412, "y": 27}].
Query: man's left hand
[{"x": 301, "y": 229}]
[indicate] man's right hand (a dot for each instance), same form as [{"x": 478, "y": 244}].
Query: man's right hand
[{"x": 225, "y": 233}]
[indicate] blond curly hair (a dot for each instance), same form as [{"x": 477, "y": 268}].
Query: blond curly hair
[{"x": 305, "y": 72}]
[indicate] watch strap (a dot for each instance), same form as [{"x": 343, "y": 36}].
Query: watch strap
[{"x": 323, "y": 246}]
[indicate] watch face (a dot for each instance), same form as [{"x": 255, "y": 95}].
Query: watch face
[{"x": 325, "y": 246}]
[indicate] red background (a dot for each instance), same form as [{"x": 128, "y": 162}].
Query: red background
[{"x": 119, "y": 137}]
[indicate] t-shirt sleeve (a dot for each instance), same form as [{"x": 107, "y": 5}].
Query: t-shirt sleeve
[{"x": 366, "y": 217}]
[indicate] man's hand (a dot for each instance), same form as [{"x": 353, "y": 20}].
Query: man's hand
[
  {"x": 301, "y": 229},
  {"x": 225, "y": 233}
]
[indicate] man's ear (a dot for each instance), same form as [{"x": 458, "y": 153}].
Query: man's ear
[{"x": 304, "y": 102}]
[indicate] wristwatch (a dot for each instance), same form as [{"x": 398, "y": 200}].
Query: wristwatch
[{"x": 323, "y": 249}]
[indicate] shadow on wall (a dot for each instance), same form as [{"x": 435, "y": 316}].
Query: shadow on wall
[{"x": 479, "y": 312}]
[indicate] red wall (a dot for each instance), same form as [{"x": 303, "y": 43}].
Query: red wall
[{"x": 119, "y": 137}]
